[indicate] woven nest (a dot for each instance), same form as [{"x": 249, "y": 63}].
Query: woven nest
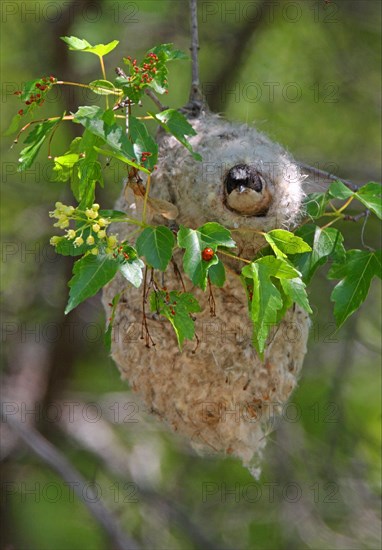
[{"x": 216, "y": 392}]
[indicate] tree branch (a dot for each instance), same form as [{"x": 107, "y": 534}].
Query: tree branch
[
  {"x": 195, "y": 83},
  {"x": 327, "y": 175},
  {"x": 100, "y": 440},
  {"x": 196, "y": 102},
  {"x": 59, "y": 463},
  {"x": 155, "y": 99}
]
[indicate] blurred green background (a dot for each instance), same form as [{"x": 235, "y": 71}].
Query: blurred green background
[{"x": 307, "y": 73}]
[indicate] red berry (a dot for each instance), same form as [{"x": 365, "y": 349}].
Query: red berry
[
  {"x": 208, "y": 254},
  {"x": 38, "y": 85},
  {"x": 27, "y": 103},
  {"x": 21, "y": 112}
]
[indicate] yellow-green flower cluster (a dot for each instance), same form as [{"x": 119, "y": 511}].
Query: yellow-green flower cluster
[
  {"x": 62, "y": 213},
  {"x": 93, "y": 221}
]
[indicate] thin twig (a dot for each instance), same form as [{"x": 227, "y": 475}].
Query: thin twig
[
  {"x": 178, "y": 274},
  {"x": 145, "y": 333},
  {"x": 328, "y": 175},
  {"x": 155, "y": 99},
  {"x": 195, "y": 83},
  {"x": 145, "y": 198},
  {"x": 348, "y": 218},
  {"x": 211, "y": 299},
  {"x": 58, "y": 462}
]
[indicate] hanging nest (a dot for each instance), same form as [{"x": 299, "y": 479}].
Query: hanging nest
[{"x": 216, "y": 391}]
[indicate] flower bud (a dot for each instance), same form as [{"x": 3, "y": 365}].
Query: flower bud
[
  {"x": 112, "y": 241},
  {"x": 68, "y": 210},
  {"x": 62, "y": 223},
  {"x": 55, "y": 240},
  {"x": 91, "y": 213}
]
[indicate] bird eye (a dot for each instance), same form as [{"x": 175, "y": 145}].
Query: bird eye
[{"x": 243, "y": 177}]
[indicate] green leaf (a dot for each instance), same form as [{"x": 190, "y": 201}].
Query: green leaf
[
  {"x": 265, "y": 300},
  {"x": 214, "y": 234},
  {"x": 75, "y": 43},
  {"x": 143, "y": 142},
  {"x": 209, "y": 235},
  {"x": 102, "y": 87},
  {"x": 176, "y": 307},
  {"x": 88, "y": 171},
  {"x": 102, "y": 124},
  {"x": 156, "y": 244},
  {"x": 296, "y": 290},
  {"x": 338, "y": 190},
  {"x": 80, "y": 45},
  {"x": 216, "y": 273},
  {"x": 132, "y": 271},
  {"x": 115, "y": 155},
  {"x": 370, "y": 196},
  {"x": 14, "y": 125},
  {"x": 65, "y": 247},
  {"x": 35, "y": 139},
  {"x": 115, "y": 215},
  {"x": 356, "y": 274},
  {"x": 63, "y": 166},
  {"x": 276, "y": 267},
  {"x": 131, "y": 266},
  {"x": 90, "y": 274},
  {"x": 283, "y": 243},
  {"x": 168, "y": 51},
  {"x": 325, "y": 244},
  {"x": 177, "y": 125}
]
